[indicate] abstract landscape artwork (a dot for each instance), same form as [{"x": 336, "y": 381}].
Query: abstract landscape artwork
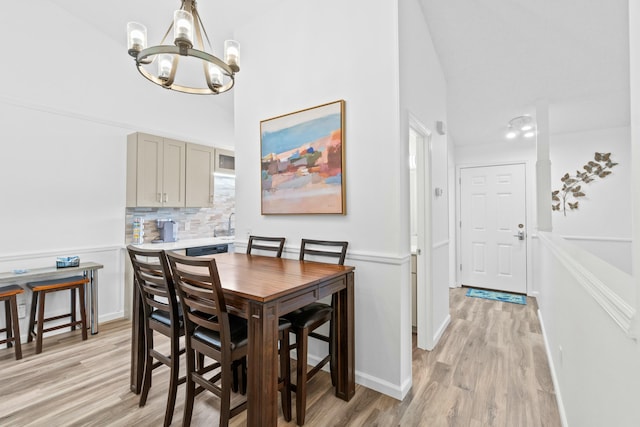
[{"x": 302, "y": 165}]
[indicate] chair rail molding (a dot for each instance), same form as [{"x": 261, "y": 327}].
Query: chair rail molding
[
  {"x": 622, "y": 313},
  {"x": 376, "y": 257}
]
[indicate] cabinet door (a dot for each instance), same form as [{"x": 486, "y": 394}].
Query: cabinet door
[
  {"x": 200, "y": 164},
  {"x": 149, "y": 155},
  {"x": 173, "y": 173}
]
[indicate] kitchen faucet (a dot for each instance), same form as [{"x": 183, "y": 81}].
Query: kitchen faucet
[{"x": 229, "y": 224}]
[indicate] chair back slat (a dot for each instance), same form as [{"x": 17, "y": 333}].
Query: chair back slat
[
  {"x": 200, "y": 291},
  {"x": 323, "y": 248},
  {"x": 272, "y": 244},
  {"x": 154, "y": 281}
]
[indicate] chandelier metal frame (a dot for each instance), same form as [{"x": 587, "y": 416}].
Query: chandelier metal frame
[{"x": 184, "y": 47}]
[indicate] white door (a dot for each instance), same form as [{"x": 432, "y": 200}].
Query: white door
[{"x": 493, "y": 227}]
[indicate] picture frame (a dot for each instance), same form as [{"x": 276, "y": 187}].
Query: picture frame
[{"x": 302, "y": 165}]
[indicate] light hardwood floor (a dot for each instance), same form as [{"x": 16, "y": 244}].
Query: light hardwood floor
[{"x": 489, "y": 369}]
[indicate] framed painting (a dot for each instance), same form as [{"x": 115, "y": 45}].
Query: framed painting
[{"x": 302, "y": 164}]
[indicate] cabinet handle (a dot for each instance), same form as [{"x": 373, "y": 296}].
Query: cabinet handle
[
  {"x": 166, "y": 199},
  {"x": 159, "y": 197}
]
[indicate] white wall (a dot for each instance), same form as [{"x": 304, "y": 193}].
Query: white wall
[
  {"x": 423, "y": 96},
  {"x": 66, "y": 108},
  {"x": 451, "y": 161},
  {"x": 586, "y": 312},
  {"x": 602, "y": 222},
  {"x": 303, "y": 54},
  {"x": 590, "y": 309},
  {"x": 634, "y": 56},
  {"x": 93, "y": 77},
  {"x": 606, "y": 198}
]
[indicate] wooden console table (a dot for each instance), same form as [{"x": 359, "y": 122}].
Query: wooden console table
[{"x": 88, "y": 269}]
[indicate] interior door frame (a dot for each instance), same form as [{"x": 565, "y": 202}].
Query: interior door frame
[
  {"x": 424, "y": 287},
  {"x": 530, "y": 212}
]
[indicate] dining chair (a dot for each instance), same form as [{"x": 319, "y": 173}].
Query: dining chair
[
  {"x": 305, "y": 322},
  {"x": 209, "y": 331},
  {"x": 276, "y": 245},
  {"x": 162, "y": 313},
  {"x": 272, "y": 244}
]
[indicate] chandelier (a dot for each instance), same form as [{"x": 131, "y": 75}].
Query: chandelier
[{"x": 160, "y": 64}]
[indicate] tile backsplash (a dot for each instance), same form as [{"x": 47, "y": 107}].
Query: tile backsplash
[{"x": 193, "y": 223}]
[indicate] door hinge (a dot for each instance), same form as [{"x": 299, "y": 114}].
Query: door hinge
[
  {"x": 460, "y": 224},
  {"x": 460, "y": 267}
]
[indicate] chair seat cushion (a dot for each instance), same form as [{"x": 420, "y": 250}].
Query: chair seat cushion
[
  {"x": 309, "y": 314},
  {"x": 283, "y": 324},
  {"x": 164, "y": 318},
  {"x": 7, "y": 291},
  {"x": 237, "y": 327},
  {"x": 61, "y": 283}
]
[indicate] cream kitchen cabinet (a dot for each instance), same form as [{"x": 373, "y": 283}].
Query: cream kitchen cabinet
[
  {"x": 156, "y": 171},
  {"x": 200, "y": 167}
]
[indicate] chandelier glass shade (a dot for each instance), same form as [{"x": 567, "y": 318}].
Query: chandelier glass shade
[{"x": 201, "y": 72}]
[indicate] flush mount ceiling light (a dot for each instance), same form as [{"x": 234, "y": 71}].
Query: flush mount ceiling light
[
  {"x": 521, "y": 125},
  {"x": 159, "y": 64}
]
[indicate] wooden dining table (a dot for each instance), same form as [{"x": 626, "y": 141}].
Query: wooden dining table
[{"x": 261, "y": 289}]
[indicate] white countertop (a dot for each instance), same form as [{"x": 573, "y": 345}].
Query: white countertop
[{"x": 187, "y": 243}]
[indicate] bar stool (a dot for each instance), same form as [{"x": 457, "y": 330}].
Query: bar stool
[
  {"x": 162, "y": 314},
  {"x": 306, "y": 320},
  {"x": 12, "y": 328},
  {"x": 210, "y": 330},
  {"x": 56, "y": 285}
]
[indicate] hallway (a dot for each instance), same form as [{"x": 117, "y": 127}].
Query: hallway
[{"x": 489, "y": 369}]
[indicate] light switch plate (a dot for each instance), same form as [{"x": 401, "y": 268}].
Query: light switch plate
[{"x": 22, "y": 311}]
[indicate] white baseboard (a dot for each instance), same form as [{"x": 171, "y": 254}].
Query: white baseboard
[
  {"x": 383, "y": 386},
  {"x": 440, "y": 331},
  {"x": 554, "y": 377},
  {"x": 369, "y": 381},
  {"x": 111, "y": 316}
]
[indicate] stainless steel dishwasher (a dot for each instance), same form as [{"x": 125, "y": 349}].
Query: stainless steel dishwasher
[{"x": 208, "y": 250}]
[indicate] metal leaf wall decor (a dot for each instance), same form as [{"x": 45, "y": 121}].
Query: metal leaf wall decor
[{"x": 599, "y": 167}]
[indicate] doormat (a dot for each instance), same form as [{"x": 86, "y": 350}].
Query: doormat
[{"x": 497, "y": 296}]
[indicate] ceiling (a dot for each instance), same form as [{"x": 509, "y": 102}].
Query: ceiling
[
  {"x": 499, "y": 57},
  {"x": 220, "y": 17}
]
